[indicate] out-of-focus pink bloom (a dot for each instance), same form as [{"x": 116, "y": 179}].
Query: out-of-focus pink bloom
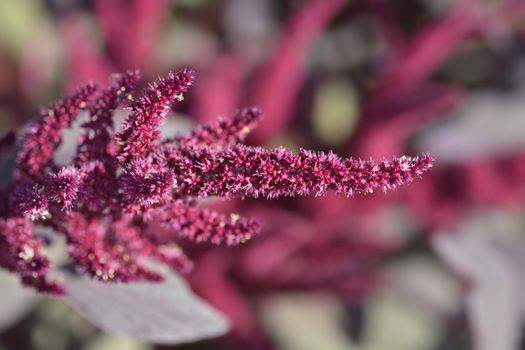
[
  {"x": 387, "y": 124},
  {"x": 221, "y": 88},
  {"x": 131, "y": 29},
  {"x": 85, "y": 62},
  {"x": 277, "y": 86},
  {"x": 430, "y": 48},
  {"x": 452, "y": 191}
]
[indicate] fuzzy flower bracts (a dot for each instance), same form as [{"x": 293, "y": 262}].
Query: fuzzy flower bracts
[{"x": 124, "y": 186}]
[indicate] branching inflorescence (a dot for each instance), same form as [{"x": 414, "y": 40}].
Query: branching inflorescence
[{"x": 122, "y": 184}]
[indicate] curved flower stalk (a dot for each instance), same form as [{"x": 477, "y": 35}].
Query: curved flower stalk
[{"x": 118, "y": 185}]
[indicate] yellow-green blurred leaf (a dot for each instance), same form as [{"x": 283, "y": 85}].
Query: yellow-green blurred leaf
[
  {"x": 305, "y": 322},
  {"x": 395, "y": 325},
  {"x": 18, "y": 20},
  {"x": 111, "y": 342},
  {"x": 336, "y": 108}
]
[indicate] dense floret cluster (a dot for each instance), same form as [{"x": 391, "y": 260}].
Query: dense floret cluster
[{"x": 121, "y": 184}]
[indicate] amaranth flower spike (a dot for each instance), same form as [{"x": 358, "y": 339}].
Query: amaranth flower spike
[{"x": 120, "y": 185}]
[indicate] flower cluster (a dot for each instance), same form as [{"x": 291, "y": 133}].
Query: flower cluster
[{"x": 121, "y": 184}]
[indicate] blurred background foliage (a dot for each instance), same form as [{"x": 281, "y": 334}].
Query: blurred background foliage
[{"x": 436, "y": 266}]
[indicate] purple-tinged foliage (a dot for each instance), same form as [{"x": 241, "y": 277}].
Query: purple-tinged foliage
[{"x": 121, "y": 188}]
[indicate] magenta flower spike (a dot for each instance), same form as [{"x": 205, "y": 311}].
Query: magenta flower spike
[
  {"x": 121, "y": 188},
  {"x": 44, "y": 137},
  {"x": 141, "y": 129},
  {"x": 22, "y": 252},
  {"x": 253, "y": 172}
]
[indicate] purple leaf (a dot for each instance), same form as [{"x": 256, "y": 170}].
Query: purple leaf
[
  {"x": 492, "y": 265},
  {"x": 15, "y": 300},
  {"x": 488, "y": 124},
  {"x": 164, "y": 313}
]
